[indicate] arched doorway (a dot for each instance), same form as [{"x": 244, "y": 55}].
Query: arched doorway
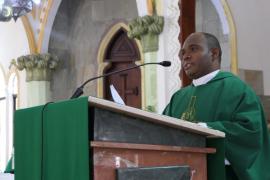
[{"x": 122, "y": 53}]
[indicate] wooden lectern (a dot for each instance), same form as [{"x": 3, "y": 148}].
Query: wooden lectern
[
  {"x": 91, "y": 138},
  {"x": 128, "y": 143}
]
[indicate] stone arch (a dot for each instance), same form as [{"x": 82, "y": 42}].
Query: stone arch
[
  {"x": 30, "y": 34},
  {"x": 233, "y": 37},
  {"x": 101, "y": 55}
]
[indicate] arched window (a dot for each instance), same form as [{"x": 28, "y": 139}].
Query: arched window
[
  {"x": 12, "y": 98},
  {"x": 3, "y": 117},
  {"x": 8, "y": 98}
]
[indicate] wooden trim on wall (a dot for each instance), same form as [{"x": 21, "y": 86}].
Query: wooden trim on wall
[{"x": 187, "y": 26}]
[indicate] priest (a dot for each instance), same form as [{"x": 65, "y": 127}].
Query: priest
[{"x": 221, "y": 101}]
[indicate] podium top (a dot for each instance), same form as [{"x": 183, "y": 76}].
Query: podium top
[{"x": 155, "y": 118}]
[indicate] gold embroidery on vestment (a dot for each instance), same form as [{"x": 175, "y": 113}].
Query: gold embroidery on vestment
[{"x": 190, "y": 112}]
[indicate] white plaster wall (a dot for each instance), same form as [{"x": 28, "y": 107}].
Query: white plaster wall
[
  {"x": 13, "y": 44},
  {"x": 13, "y": 41},
  {"x": 252, "y": 26}
]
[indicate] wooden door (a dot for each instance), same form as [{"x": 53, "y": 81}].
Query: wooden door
[{"x": 122, "y": 53}]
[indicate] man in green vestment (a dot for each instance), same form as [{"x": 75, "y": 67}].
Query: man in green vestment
[{"x": 221, "y": 101}]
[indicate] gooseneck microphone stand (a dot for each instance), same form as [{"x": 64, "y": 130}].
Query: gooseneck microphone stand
[{"x": 79, "y": 90}]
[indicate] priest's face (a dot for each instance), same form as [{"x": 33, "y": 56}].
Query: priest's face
[{"x": 196, "y": 58}]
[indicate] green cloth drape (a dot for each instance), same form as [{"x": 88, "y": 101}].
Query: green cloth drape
[{"x": 64, "y": 153}]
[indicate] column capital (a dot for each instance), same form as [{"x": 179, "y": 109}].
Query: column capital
[
  {"x": 147, "y": 30},
  {"x": 38, "y": 66}
]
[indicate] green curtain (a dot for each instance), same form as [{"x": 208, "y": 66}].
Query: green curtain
[{"x": 58, "y": 148}]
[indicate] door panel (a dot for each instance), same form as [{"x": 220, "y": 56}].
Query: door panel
[
  {"x": 122, "y": 53},
  {"x": 127, "y": 84}
]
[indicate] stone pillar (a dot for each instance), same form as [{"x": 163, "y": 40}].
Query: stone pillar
[
  {"x": 38, "y": 92},
  {"x": 38, "y": 74},
  {"x": 147, "y": 29},
  {"x": 150, "y": 81}
]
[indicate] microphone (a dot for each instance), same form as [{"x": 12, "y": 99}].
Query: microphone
[
  {"x": 165, "y": 63},
  {"x": 79, "y": 90}
]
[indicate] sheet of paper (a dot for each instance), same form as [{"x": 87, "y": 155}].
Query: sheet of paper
[
  {"x": 6, "y": 176},
  {"x": 116, "y": 97}
]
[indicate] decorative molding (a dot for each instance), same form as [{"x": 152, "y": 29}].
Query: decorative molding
[
  {"x": 232, "y": 37},
  {"x": 34, "y": 10},
  {"x": 29, "y": 34},
  {"x": 101, "y": 52},
  {"x": 100, "y": 57},
  {"x": 38, "y": 66},
  {"x": 39, "y": 15},
  {"x": 45, "y": 9},
  {"x": 42, "y": 8},
  {"x": 172, "y": 44}
]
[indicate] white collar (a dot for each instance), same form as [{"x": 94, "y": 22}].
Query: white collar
[{"x": 205, "y": 79}]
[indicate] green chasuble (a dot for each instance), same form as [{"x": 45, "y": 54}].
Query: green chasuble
[
  {"x": 227, "y": 104},
  {"x": 51, "y": 141}
]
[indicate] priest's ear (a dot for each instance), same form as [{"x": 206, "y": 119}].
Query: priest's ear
[{"x": 215, "y": 54}]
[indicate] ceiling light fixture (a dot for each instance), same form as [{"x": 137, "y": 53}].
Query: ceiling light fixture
[{"x": 14, "y": 9}]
